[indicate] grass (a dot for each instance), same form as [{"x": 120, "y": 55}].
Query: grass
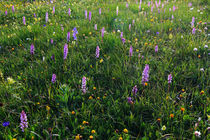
[{"x": 60, "y": 110}]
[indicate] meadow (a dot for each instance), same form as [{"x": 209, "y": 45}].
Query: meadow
[{"x": 104, "y": 70}]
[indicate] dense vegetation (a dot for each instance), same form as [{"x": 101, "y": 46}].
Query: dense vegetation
[{"x": 104, "y": 69}]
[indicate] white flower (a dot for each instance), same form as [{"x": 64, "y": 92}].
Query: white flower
[
  {"x": 198, "y": 10},
  {"x": 195, "y": 49},
  {"x": 181, "y": 36},
  {"x": 191, "y": 9},
  {"x": 201, "y": 69},
  {"x": 118, "y": 31},
  {"x": 205, "y": 46},
  {"x": 197, "y": 133},
  {"x": 201, "y": 13},
  {"x": 199, "y": 119}
]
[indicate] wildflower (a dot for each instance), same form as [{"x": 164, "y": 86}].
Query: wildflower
[
  {"x": 99, "y": 11},
  {"x": 51, "y": 41},
  {"x": 84, "y": 122},
  {"x": 199, "y": 56},
  {"x": 145, "y": 83},
  {"x": 129, "y": 27},
  {"x": 89, "y": 15},
  {"x": 93, "y": 131},
  {"x": 123, "y": 40},
  {"x": 145, "y": 75},
  {"x": 72, "y": 112},
  {"x": 86, "y": 14},
  {"x": 13, "y": 9},
  {"x": 65, "y": 51},
  {"x": 46, "y": 17},
  {"x": 163, "y": 128},
  {"x": 197, "y": 133},
  {"x": 75, "y": 32},
  {"x": 5, "y": 124},
  {"x": 53, "y": 78},
  {"x": 84, "y": 85},
  {"x": 102, "y": 32},
  {"x": 69, "y": 12},
  {"x": 53, "y": 57},
  {"x": 195, "y": 49},
  {"x": 68, "y": 36},
  {"x": 125, "y": 130},
  {"x": 156, "y": 48},
  {"x": 126, "y": 5},
  {"x": 171, "y": 115},
  {"x": 53, "y": 10},
  {"x": 101, "y": 60},
  {"x": 97, "y": 51},
  {"x": 77, "y": 137},
  {"x": 90, "y": 137},
  {"x": 121, "y": 35},
  {"x": 47, "y": 108},
  {"x": 6, "y": 12},
  {"x": 131, "y": 51},
  {"x": 135, "y": 90},
  {"x": 32, "y": 49},
  {"x": 94, "y": 88},
  {"x": 193, "y": 31},
  {"x": 24, "y": 20},
  {"x": 90, "y": 98},
  {"x": 23, "y": 119},
  {"x": 202, "y": 92},
  {"x": 10, "y": 80},
  {"x": 98, "y": 98},
  {"x": 206, "y": 46},
  {"x": 169, "y": 79},
  {"x": 95, "y": 27},
  {"x": 182, "y": 109},
  {"x": 193, "y": 21},
  {"x": 120, "y": 138},
  {"x": 130, "y": 100},
  {"x": 158, "y": 119},
  {"x": 117, "y": 9}
]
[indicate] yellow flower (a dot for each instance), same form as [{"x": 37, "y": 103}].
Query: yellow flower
[
  {"x": 32, "y": 138},
  {"x": 93, "y": 131},
  {"x": 182, "y": 109},
  {"x": 146, "y": 84},
  {"x": 84, "y": 122},
  {"x": 125, "y": 130},
  {"x": 77, "y": 137},
  {"x": 94, "y": 88},
  {"x": 48, "y": 108},
  {"x": 90, "y": 98},
  {"x": 146, "y": 44},
  {"x": 90, "y": 137},
  {"x": 14, "y": 139},
  {"x": 170, "y": 36},
  {"x": 38, "y": 103},
  {"x": 163, "y": 128},
  {"x": 120, "y": 138},
  {"x": 91, "y": 66},
  {"x": 101, "y": 60},
  {"x": 202, "y": 92},
  {"x": 98, "y": 98},
  {"x": 137, "y": 50},
  {"x": 136, "y": 39},
  {"x": 158, "y": 119},
  {"x": 73, "y": 112},
  {"x": 182, "y": 90},
  {"x": 90, "y": 33},
  {"x": 10, "y": 80}
]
